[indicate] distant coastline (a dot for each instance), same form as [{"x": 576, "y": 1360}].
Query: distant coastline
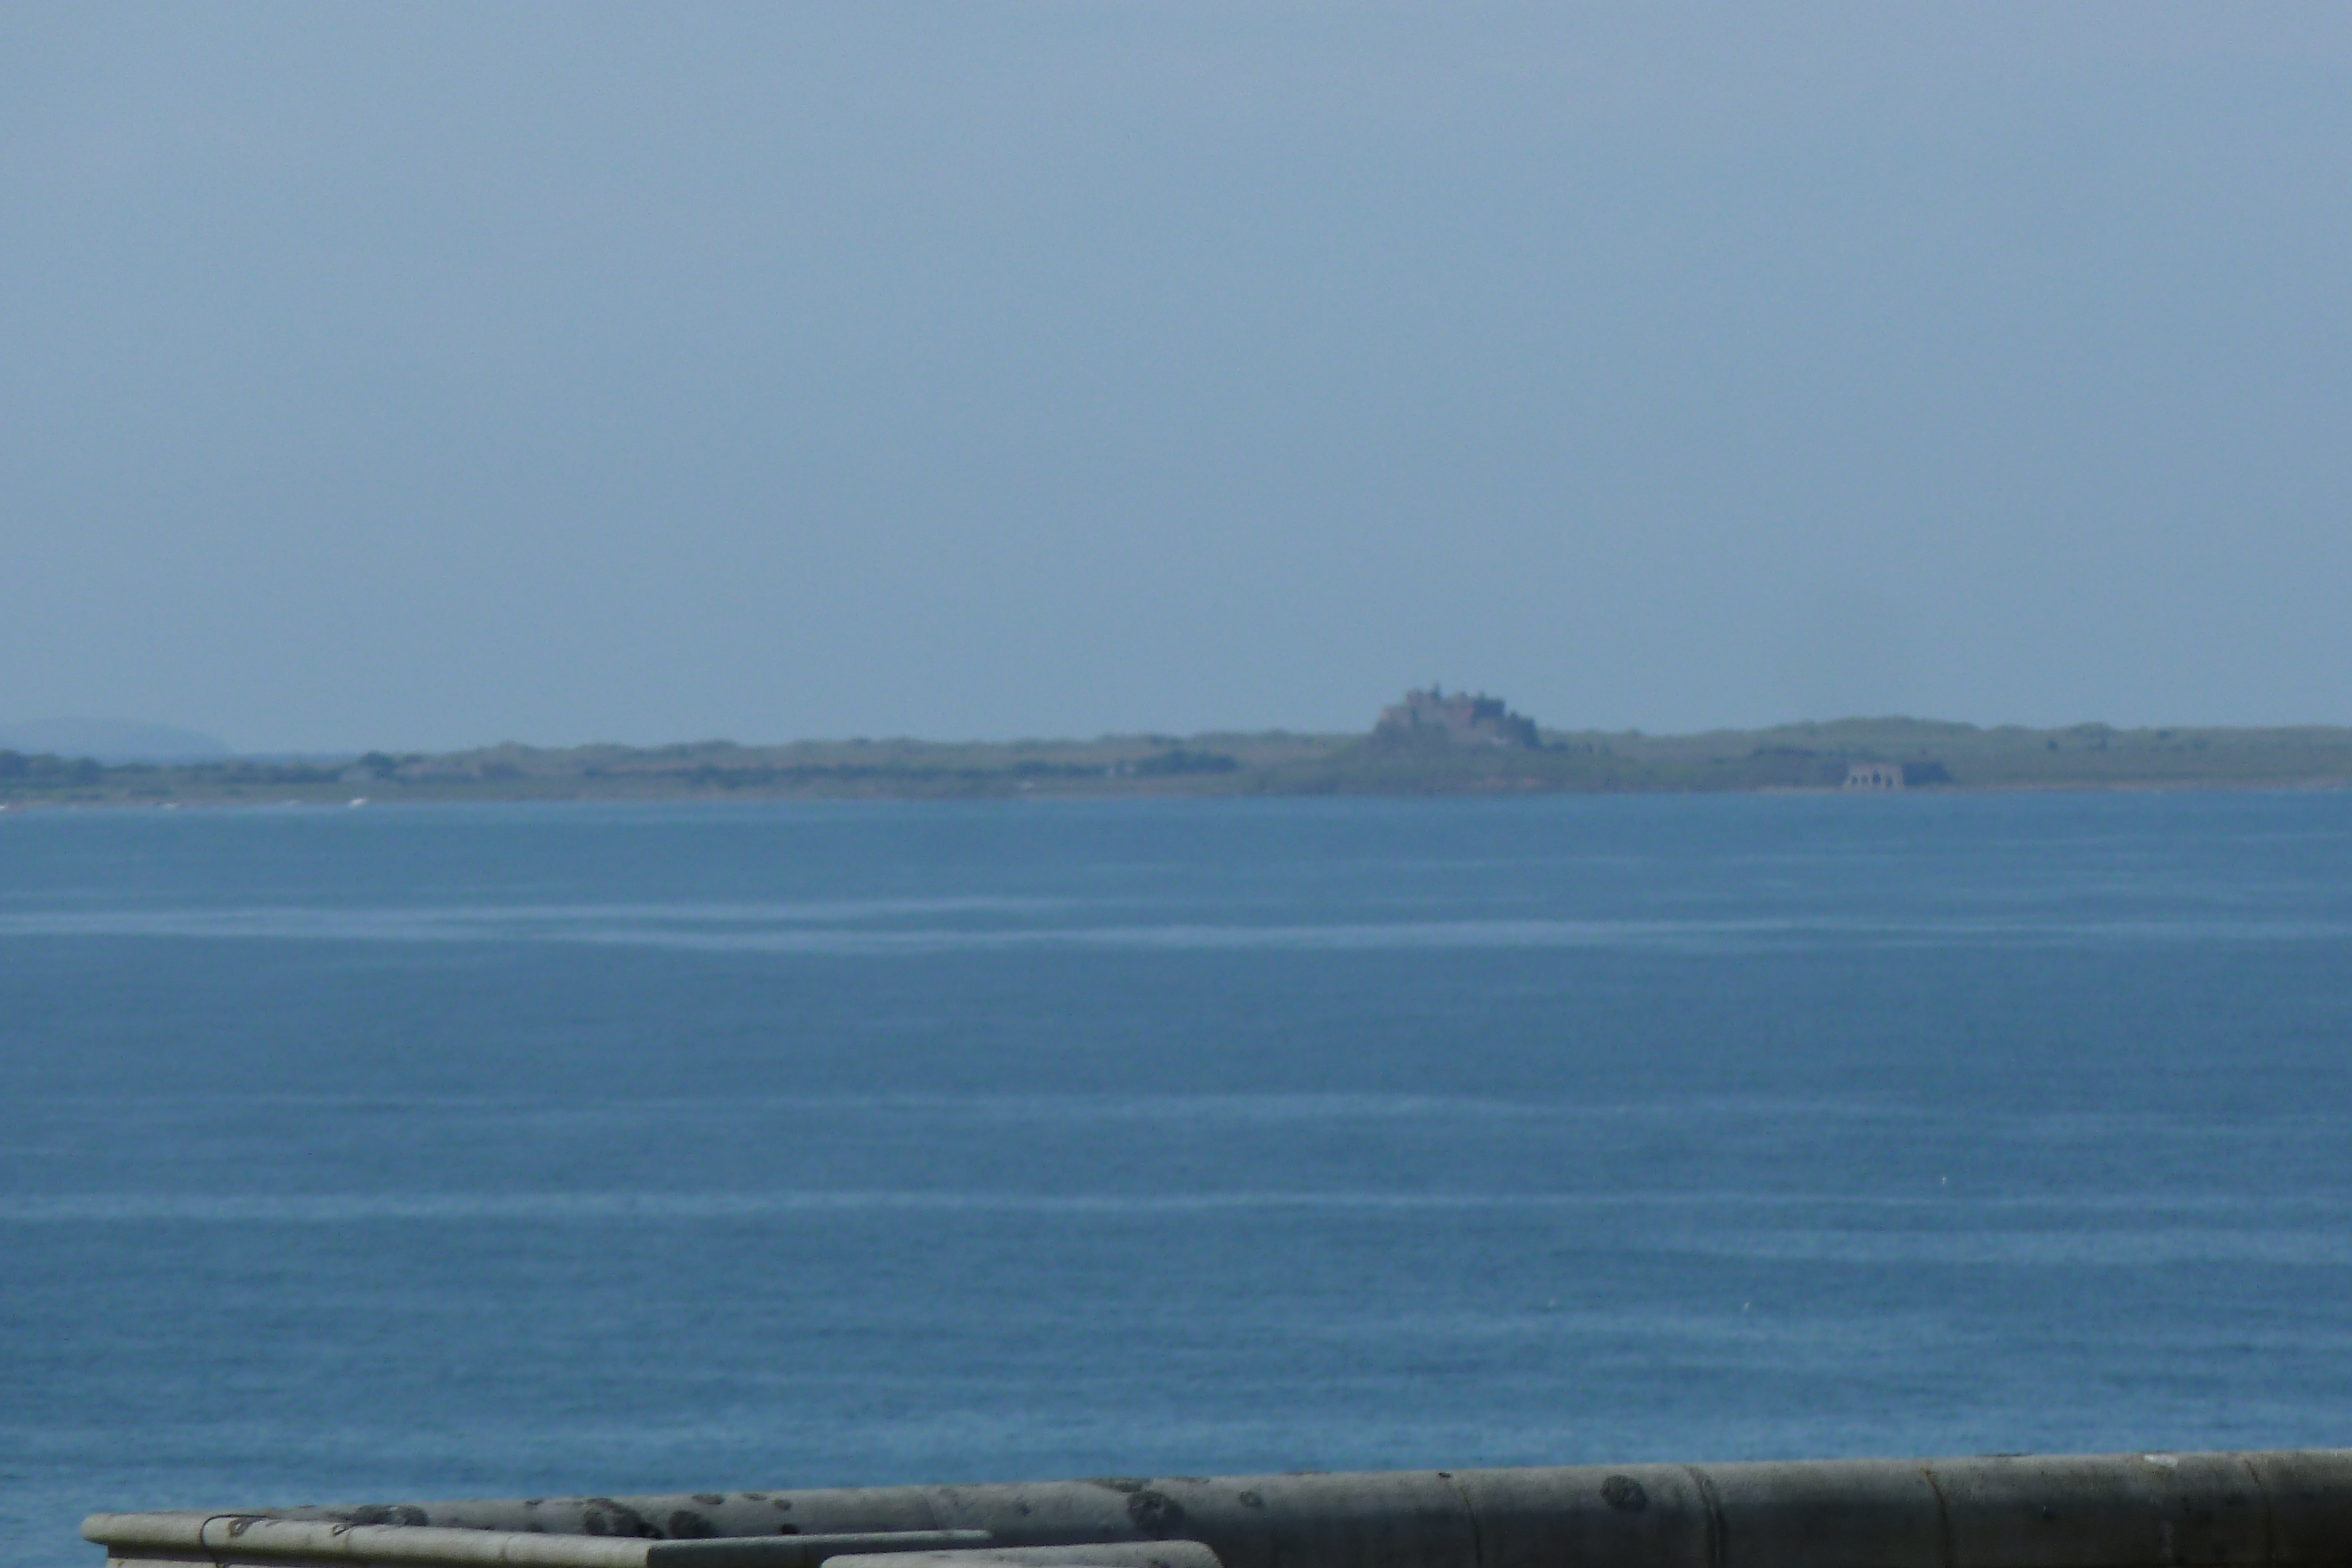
[{"x": 1488, "y": 753}]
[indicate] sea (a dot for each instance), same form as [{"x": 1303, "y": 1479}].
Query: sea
[{"x": 415, "y": 1152}]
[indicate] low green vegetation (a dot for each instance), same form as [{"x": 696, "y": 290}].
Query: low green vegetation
[{"x": 1789, "y": 757}]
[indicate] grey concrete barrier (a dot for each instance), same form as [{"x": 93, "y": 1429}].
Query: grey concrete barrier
[
  {"x": 2290, "y": 1509},
  {"x": 259, "y": 1541}
]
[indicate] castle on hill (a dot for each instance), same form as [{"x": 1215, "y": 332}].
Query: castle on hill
[{"x": 1460, "y": 719}]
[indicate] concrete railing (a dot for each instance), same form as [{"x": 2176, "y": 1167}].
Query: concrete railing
[{"x": 2290, "y": 1509}]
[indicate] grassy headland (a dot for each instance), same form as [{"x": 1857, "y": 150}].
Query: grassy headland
[{"x": 1788, "y": 757}]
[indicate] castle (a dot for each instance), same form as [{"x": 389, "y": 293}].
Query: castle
[{"x": 1458, "y": 720}]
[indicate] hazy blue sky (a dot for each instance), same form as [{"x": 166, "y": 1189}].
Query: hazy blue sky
[{"x": 423, "y": 376}]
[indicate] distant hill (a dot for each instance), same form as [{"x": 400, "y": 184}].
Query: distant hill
[{"x": 112, "y": 740}]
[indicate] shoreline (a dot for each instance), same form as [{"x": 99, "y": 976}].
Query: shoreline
[
  {"x": 1850, "y": 756},
  {"x": 442, "y": 799}
]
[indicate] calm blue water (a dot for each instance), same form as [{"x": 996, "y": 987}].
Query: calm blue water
[{"x": 374, "y": 1154}]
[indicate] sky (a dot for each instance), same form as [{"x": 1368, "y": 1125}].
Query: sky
[{"x": 426, "y": 376}]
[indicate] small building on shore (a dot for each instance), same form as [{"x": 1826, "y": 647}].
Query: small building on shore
[{"x": 1873, "y": 776}]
